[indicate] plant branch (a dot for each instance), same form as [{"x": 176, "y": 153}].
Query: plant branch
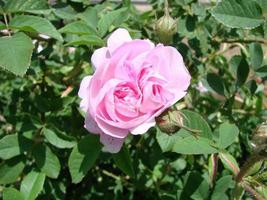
[
  {"x": 248, "y": 164},
  {"x": 263, "y": 41},
  {"x": 251, "y": 191}
]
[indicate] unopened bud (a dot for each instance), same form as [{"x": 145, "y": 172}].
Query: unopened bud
[
  {"x": 166, "y": 26},
  {"x": 170, "y": 121},
  {"x": 259, "y": 139}
]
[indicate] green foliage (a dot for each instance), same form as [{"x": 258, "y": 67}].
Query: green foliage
[
  {"x": 22, "y": 48},
  {"x": 83, "y": 157},
  {"x": 45, "y": 151},
  {"x": 238, "y": 13}
]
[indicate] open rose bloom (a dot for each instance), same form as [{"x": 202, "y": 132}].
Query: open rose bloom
[{"x": 134, "y": 82}]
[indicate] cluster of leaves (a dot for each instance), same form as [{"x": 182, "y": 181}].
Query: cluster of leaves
[{"x": 45, "y": 152}]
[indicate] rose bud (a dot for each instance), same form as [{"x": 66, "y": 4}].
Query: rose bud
[
  {"x": 166, "y": 26},
  {"x": 259, "y": 139},
  {"x": 166, "y": 124}
]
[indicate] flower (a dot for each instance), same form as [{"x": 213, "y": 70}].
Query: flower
[{"x": 134, "y": 82}]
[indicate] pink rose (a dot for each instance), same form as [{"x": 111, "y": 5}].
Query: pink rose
[{"x": 134, "y": 82}]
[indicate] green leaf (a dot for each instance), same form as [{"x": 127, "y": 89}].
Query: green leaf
[
  {"x": 83, "y": 157},
  {"x": 195, "y": 187},
  {"x": 245, "y": 14},
  {"x": 35, "y": 24},
  {"x": 13, "y": 145},
  {"x": 256, "y": 54},
  {"x": 31, "y": 6},
  {"x": 11, "y": 169},
  {"x": 195, "y": 121},
  {"x": 184, "y": 142},
  {"x": 192, "y": 145},
  {"x": 227, "y": 134},
  {"x": 263, "y": 4},
  {"x": 90, "y": 17},
  {"x": 65, "y": 13},
  {"x": 123, "y": 161},
  {"x": 87, "y": 40},
  {"x": 216, "y": 83},
  {"x": 221, "y": 187},
  {"x": 229, "y": 162},
  {"x": 262, "y": 69},
  {"x": 12, "y": 194},
  {"x": 46, "y": 160},
  {"x": 9, "y": 146},
  {"x": 32, "y": 185},
  {"x": 166, "y": 141},
  {"x": 79, "y": 28},
  {"x": 112, "y": 18},
  {"x": 58, "y": 139},
  {"x": 22, "y": 48},
  {"x": 242, "y": 72}
]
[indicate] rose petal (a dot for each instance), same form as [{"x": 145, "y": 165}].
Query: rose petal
[
  {"x": 117, "y": 38},
  {"x": 84, "y": 93},
  {"x": 99, "y": 57},
  {"x": 91, "y": 125},
  {"x": 143, "y": 128},
  {"x": 111, "y": 144}
]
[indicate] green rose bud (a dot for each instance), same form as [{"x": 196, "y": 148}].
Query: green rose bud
[
  {"x": 170, "y": 121},
  {"x": 259, "y": 139},
  {"x": 166, "y": 26}
]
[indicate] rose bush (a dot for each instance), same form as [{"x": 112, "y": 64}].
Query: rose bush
[{"x": 134, "y": 82}]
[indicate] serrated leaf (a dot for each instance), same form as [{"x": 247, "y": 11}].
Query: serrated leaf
[
  {"x": 12, "y": 194},
  {"x": 123, "y": 161},
  {"x": 221, "y": 187},
  {"x": 256, "y": 55},
  {"x": 227, "y": 134},
  {"x": 112, "y": 18},
  {"x": 22, "y": 48},
  {"x": 31, "y": 6},
  {"x": 83, "y": 157},
  {"x": 195, "y": 121},
  {"x": 238, "y": 14},
  {"x": 58, "y": 139},
  {"x": 87, "y": 40},
  {"x": 89, "y": 16},
  {"x": 11, "y": 169},
  {"x": 13, "y": 145},
  {"x": 193, "y": 145},
  {"x": 32, "y": 185},
  {"x": 65, "y": 13},
  {"x": 9, "y": 146},
  {"x": 35, "y": 24},
  {"x": 166, "y": 141},
  {"x": 46, "y": 160},
  {"x": 79, "y": 28}
]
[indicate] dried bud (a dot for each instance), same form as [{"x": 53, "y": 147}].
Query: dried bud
[
  {"x": 166, "y": 26},
  {"x": 259, "y": 139}
]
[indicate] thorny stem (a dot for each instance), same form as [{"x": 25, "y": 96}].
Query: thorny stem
[
  {"x": 6, "y": 23},
  {"x": 263, "y": 41}
]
